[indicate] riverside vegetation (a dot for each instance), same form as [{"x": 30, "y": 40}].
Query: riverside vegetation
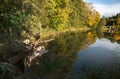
[{"x": 22, "y": 19}]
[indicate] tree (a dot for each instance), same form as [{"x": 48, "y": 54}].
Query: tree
[
  {"x": 79, "y": 13},
  {"x": 102, "y": 21},
  {"x": 101, "y": 24},
  {"x": 19, "y": 19},
  {"x": 93, "y": 16},
  {"x": 118, "y": 21}
]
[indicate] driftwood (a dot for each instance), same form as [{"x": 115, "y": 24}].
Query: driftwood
[
  {"x": 45, "y": 41},
  {"x": 34, "y": 49},
  {"x": 16, "y": 59},
  {"x": 37, "y": 52}
]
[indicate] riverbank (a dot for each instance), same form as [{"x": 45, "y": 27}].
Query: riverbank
[
  {"x": 51, "y": 33},
  {"x": 45, "y": 35},
  {"x": 9, "y": 48}
]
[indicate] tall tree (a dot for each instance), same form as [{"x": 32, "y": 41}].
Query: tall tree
[
  {"x": 93, "y": 16},
  {"x": 79, "y": 13}
]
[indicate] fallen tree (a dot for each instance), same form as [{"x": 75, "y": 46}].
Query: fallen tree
[{"x": 32, "y": 50}]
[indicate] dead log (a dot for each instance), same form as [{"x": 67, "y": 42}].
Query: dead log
[
  {"x": 37, "y": 52},
  {"x": 33, "y": 50},
  {"x": 45, "y": 41},
  {"x": 28, "y": 58}
]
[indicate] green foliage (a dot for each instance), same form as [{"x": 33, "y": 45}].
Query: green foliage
[
  {"x": 64, "y": 13},
  {"x": 18, "y": 20},
  {"x": 78, "y": 16},
  {"x": 22, "y": 19},
  {"x": 57, "y": 13}
]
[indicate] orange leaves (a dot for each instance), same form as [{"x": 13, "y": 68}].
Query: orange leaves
[
  {"x": 93, "y": 16},
  {"x": 116, "y": 37},
  {"x": 89, "y": 33}
]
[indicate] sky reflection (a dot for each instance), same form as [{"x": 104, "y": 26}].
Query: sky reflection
[{"x": 101, "y": 53}]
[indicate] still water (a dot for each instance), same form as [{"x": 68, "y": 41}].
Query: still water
[
  {"x": 102, "y": 54},
  {"x": 81, "y": 55}
]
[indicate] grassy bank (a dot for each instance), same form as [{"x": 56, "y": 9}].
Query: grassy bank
[{"x": 51, "y": 33}]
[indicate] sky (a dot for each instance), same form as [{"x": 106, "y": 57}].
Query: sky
[{"x": 106, "y": 7}]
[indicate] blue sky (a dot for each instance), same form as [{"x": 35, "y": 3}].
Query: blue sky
[{"x": 106, "y": 7}]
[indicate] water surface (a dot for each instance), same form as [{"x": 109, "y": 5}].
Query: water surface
[
  {"x": 103, "y": 54},
  {"x": 81, "y": 55}
]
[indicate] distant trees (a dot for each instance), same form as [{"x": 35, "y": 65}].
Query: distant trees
[{"x": 113, "y": 20}]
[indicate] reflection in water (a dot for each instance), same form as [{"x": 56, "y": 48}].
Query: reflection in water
[
  {"x": 57, "y": 63},
  {"x": 114, "y": 37},
  {"x": 80, "y": 55},
  {"x": 100, "y": 54}
]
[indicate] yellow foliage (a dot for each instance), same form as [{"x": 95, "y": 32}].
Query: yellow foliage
[
  {"x": 93, "y": 18},
  {"x": 90, "y": 21},
  {"x": 89, "y": 34},
  {"x": 91, "y": 37},
  {"x": 118, "y": 21},
  {"x": 117, "y": 37}
]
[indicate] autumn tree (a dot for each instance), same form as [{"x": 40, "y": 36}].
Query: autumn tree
[
  {"x": 93, "y": 16},
  {"x": 118, "y": 21},
  {"x": 57, "y": 13}
]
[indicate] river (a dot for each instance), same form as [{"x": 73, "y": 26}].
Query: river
[{"x": 81, "y": 55}]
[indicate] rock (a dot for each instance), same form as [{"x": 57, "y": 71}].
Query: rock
[{"x": 8, "y": 71}]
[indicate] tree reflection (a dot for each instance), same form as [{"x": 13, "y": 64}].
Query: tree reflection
[
  {"x": 114, "y": 37},
  {"x": 57, "y": 63}
]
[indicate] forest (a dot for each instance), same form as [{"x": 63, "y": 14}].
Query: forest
[{"x": 21, "y": 19}]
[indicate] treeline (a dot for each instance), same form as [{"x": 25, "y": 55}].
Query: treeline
[
  {"x": 21, "y": 19},
  {"x": 114, "y": 20}
]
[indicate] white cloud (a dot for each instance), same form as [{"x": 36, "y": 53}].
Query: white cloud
[{"x": 107, "y": 10}]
